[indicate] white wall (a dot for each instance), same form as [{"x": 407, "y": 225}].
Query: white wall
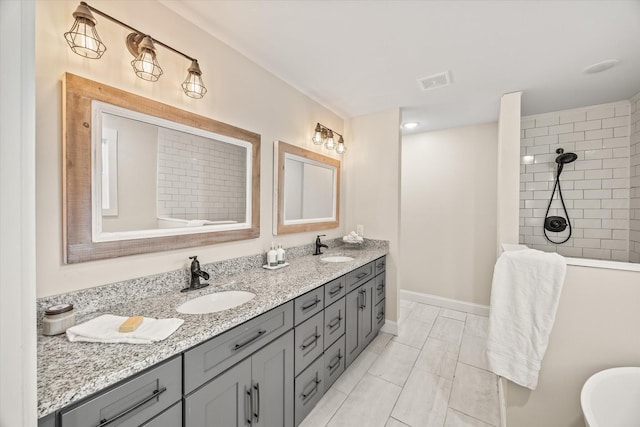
[
  {"x": 634, "y": 194},
  {"x": 240, "y": 93},
  {"x": 593, "y": 331},
  {"x": 448, "y": 212},
  {"x": 372, "y": 175},
  {"x": 18, "y": 399}
]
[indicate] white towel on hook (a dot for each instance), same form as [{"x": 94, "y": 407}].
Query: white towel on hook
[
  {"x": 104, "y": 329},
  {"x": 524, "y": 298}
]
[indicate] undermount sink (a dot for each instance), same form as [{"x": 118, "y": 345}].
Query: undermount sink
[
  {"x": 336, "y": 259},
  {"x": 215, "y": 302}
]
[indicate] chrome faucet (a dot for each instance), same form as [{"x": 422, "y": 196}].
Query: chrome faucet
[
  {"x": 320, "y": 245},
  {"x": 196, "y": 274}
]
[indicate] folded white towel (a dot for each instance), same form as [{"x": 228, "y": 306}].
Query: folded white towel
[
  {"x": 105, "y": 329},
  {"x": 353, "y": 237},
  {"x": 524, "y": 298}
]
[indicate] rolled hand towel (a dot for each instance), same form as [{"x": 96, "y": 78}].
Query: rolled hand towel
[{"x": 104, "y": 329}]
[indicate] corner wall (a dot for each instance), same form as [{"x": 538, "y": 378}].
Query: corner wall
[
  {"x": 448, "y": 212},
  {"x": 372, "y": 175},
  {"x": 634, "y": 160},
  {"x": 240, "y": 93}
]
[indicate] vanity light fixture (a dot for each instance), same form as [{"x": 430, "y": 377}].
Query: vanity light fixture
[
  {"x": 324, "y": 135},
  {"x": 83, "y": 39}
]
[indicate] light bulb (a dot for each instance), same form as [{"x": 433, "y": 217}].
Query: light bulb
[
  {"x": 317, "y": 137},
  {"x": 330, "y": 144}
]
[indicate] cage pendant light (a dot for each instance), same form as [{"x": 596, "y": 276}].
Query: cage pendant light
[
  {"x": 146, "y": 64},
  {"x": 83, "y": 39},
  {"x": 193, "y": 85}
]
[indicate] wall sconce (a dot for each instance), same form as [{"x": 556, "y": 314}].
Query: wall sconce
[
  {"x": 85, "y": 41},
  {"x": 324, "y": 135}
]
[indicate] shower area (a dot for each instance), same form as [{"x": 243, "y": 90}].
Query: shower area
[{"x": 580, "y": 181}]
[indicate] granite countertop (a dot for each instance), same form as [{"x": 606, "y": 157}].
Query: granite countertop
[{"x": 68, "y": 372}]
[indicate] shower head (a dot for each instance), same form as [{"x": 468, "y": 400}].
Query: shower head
[{"x": 565, "y": 158}]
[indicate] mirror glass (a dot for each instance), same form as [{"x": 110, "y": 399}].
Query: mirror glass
[
  {"x": 307, "y": 190},
  {"x": 155, "y": 177},
  {"x": 141, "y": 176}
]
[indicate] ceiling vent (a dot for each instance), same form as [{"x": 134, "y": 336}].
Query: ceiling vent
[{"x": 435, "y": 81}]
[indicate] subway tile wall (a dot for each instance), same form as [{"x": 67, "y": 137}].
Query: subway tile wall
[
  {"x": 634, "y": 211},
  {"x": 200, "y": 178},
  {"x": 595, "y": 187}
]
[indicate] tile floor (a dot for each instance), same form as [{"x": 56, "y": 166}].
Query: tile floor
[{"x": 433, "y": 374}]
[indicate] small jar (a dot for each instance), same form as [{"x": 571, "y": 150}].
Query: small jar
[{"x": 58, "y": 319}]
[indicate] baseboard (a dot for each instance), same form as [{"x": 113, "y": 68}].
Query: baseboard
[
  {"x": 502, "y": 398},
  {"x": 390, "y": 327},
  {"x": 467, "y": 307}
]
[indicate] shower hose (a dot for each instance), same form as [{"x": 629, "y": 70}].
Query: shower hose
[{"x": 546, "y": 215}]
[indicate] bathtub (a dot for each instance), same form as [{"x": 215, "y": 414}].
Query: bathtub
[{"x": 611, "y": 398}]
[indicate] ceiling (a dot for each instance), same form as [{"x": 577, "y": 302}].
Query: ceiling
[{"x": 365, "y": 56}]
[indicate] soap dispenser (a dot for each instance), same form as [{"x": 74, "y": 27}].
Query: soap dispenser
[
  {"x": 272, "y": 256},
  {"x": 280, "y": 255}
]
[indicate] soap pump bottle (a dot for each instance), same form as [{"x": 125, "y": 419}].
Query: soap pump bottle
[
  {"x": 272, "y": 256},
  {"x": 280, "y": 255}
]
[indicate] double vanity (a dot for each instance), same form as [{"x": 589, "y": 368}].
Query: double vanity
[{"x": 265, "y": 362}]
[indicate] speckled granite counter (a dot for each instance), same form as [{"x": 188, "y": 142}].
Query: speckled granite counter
[{"x": 68, "y": 372}]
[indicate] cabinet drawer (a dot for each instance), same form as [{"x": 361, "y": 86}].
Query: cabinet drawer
[
  {"x": 380, "y": 289},
  {"x": 308, "y": 341},
  {"x": 209, "y": 359},
  {"x": 131, "y": 403},
  {"x": 380, "y": 265},
  {"x": 308, "y": 304},
  {"x": 379, "y": 315},
  {"x": 172, "y": 417},
  {"x": 333, "y": 362},
  {"x": 334, "y": 290},
  {"x": 309, "y": 388},
  {"x": 358, "y": 276},
  {"x": 334, "y": 321}
]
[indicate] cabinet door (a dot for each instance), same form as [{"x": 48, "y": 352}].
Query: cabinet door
[
  {"x": 223, "y": 402},
  {"x": 272, "y": 372},
  {"x": 352, "y": 325},
  {"x": 368, "y": 324}
]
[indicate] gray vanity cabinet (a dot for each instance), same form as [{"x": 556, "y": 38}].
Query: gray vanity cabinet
[
  {"x": 360, "y": 326},
  {"x": 255, "y": 392},
  {"x": 131, "y": 403}
]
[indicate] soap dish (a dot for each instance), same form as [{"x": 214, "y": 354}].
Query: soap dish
[{"x": 277, "y": 267}]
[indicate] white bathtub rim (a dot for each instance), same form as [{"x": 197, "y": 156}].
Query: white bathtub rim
[{"x": 591, "y": 385}]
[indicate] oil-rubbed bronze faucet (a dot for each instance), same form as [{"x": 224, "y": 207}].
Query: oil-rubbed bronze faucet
[
  {"x": 320, "y": 245},
  {"x": 196, "y": 274}
]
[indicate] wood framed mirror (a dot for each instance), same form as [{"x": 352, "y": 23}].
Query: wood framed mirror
[
  {"x": 306, "y": 190},
  {"x": 141, "y": 176}
]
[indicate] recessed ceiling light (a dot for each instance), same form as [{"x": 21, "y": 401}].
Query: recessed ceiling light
[
  {"x": 410, "y": 125},
  {"x": 601, "y": 66}
]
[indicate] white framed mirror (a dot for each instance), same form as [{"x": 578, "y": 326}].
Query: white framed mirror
[
  {"x": 306, "y": 190},
  {"x": 141, "y": 176}
]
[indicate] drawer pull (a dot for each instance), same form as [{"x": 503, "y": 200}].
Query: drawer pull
[
  {"x": 363, "y": 292},
  {"x": 335, "y": 290},
  {"x": 314, "y": 339},
  {"x": 156, "y": 393},
  {"x": 381, "y": 265},
  {"x": 361, "y": 275},
  {"x": 250, "y": 340},
  {"x": 380, "y": 315},
  {"x": 380, "y": 286},
  {"x": 332, "y": 364},
  {"x": 313, "y": 304},
  {"x": 256, "y": 410},
  {"x": 315, "y": 382},
  {"x": 248, "y": 405},
  {"x": 335, "y": 322}
]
